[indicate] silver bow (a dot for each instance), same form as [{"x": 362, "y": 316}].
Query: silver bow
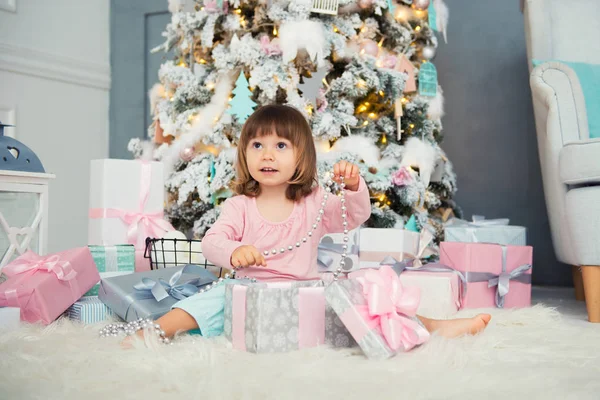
[
  {"x": 325, "y": 261},
  {"x": 502, "y": 281}
]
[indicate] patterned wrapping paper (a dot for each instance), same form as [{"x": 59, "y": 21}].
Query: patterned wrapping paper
[
  {"x": 112, "y": 261},
  {"x": 89, "y": 310},
  {"x": 378, "y": 312},
  {"x": 280, "y": 317},
  {"x": 331, "y": 250}
]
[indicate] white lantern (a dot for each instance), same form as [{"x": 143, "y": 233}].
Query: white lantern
[{"x": 23, "y": 213}]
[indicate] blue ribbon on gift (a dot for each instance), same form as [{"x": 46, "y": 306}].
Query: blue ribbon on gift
[
  {"x": 325, "y": 261},
  {"x": 159, "y": 290}
]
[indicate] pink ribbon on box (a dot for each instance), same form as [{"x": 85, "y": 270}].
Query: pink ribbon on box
[
  {"x": 140, "y": 224},
  {"x": 30, "y": 263},
  {"x": 391, "y": 307}
]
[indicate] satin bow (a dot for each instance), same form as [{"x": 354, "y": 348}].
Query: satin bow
[
  {"x": 31, "y": 262},
  {"x": 140, "y": 224},
  {"x": 325, "y": 261},
  {"x": 392, "y": 307},
  {"x": 161, "y": 289}
]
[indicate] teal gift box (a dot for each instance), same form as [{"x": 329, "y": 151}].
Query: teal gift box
[
  {"x": 89, "y": 310},
  {"x": 112, "y": 261}
]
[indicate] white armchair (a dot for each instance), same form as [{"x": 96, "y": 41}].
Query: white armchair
[{"x": 567, "y": 30}]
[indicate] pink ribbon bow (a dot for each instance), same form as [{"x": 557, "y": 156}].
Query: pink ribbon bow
[
  {"x": 140, "y": 224},
  {"x": 31, "y": 262},
  {"x": 391, "y": 307}
]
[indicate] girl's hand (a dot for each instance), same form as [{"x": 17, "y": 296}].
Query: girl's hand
[
  {"x": 350, "y": 173},
  {"x": 246, "y": 256}
]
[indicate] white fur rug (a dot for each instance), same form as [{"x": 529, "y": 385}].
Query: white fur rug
[{"x": 525, "y": 354}]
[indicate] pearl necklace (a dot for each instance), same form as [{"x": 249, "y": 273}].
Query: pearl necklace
[
  {"x": 147, "y": 324},
  {"x": 266, "y": 253}
]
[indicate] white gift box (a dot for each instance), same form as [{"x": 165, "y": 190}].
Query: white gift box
[
  {"x": 10, "y": 318},
  {"x": 330, "y": 252},
  {"x": 126, "y": 202},
  {"x": 440, "y": 292},
  {"x": 379, "y": 243},
  {"x": 495, "y": 231}
]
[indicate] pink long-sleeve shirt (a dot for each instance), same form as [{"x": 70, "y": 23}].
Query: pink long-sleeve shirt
[{"x": 240, "y": 223}]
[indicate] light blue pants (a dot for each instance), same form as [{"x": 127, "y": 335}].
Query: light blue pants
[{"x": 207, "y": 309}]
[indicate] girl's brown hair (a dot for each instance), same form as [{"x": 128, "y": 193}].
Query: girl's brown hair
[{"x": 290, "y": 124}]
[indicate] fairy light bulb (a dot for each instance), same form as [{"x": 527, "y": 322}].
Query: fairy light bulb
[
  {"x": 418, "y": 28},
  {"x": 372, "y": 115},
  {"x": 274, "y": 31},
  {"x": 365, "y": 123},
  {"x": 384, "y": 140}
]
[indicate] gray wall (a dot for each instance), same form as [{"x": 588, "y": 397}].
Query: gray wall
[{"x": 489, "y": 127}]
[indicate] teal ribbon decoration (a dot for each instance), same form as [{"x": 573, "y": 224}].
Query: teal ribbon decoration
[
  {"x": 502, "y": 281},
  {"x": 159, "y": 290}
]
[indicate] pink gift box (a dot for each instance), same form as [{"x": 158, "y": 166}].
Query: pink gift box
[
  {"x": 44, "y": 287},
  {"x": 440, "y": 291},
  {"x": 497, "y": 276}
]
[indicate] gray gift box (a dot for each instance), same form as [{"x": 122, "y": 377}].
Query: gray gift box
[
  {"x": 174, "y": 284},
  {"x": 485, "y": 231},
  {"x": 346, "y": 297},
  {"x": 343, "y": 297},
  {"x": 267, "y": 318}
]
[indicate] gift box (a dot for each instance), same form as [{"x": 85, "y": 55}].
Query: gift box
[
  {"x": 151, "y": 294},
  {"x": 112, "y": 261},
  {"x": 441, "y": 289},
  {"x": 379, "y": 312},
  {"x": 378, "y": 243},
  {"x": 496, "y": 276},
  {"x": 280, "y": 317},
  {"x": 480, "y": 230},
  {"x": 126, "y": 204},
  {"x": 10, "y": 318},
  {"x": 331, "y": 249},
  {"x": 44, "y": 287},
  {"x": 89, "y": 310}
]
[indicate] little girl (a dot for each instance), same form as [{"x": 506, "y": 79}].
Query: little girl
[{"x": 272, "y": 229}]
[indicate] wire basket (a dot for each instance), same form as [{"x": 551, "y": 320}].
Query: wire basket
[{"x": 165, "y": 253}]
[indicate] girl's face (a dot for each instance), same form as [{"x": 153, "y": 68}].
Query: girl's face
[{"x": 271, "y": 160}]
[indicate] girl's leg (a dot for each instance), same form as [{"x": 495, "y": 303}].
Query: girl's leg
[
  {"x": 175, "y": 321},
  {"x": 172, "y": 322},
  {"x": 457, "y": 327}
]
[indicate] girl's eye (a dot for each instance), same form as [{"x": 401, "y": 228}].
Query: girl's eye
[
  {"x": 256, "y": 145},
  {"x": 281, "y": 145}
]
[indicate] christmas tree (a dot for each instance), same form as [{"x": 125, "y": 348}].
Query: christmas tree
[{"x": 360, "y": 71}]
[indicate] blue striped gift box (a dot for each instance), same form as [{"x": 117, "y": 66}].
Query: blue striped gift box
[{"x": 89, "y": 310}]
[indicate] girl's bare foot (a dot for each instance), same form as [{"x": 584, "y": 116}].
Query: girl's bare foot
[{"x": 457, "y": 327}]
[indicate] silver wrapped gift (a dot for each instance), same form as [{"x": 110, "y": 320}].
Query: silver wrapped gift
[
  {"x": 481, "y": 230},
  {"x": 280, "y": 317},
  {"x": 381, "y": 319},
  {"x": 151, "y": 294}
]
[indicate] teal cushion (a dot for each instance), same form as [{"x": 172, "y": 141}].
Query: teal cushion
[{"x": 589, "y": 77}]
